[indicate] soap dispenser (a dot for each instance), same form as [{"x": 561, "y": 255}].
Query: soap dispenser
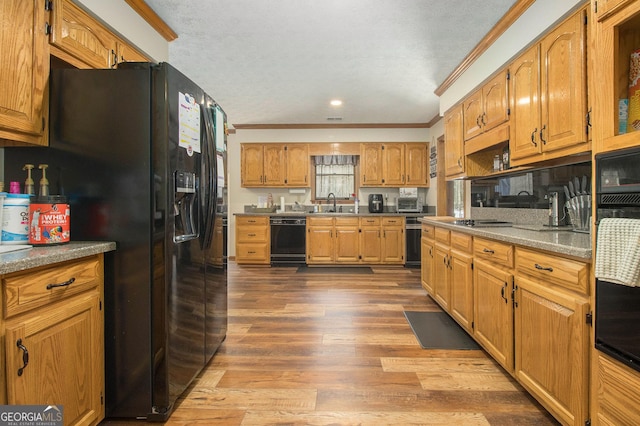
[
  {"x": 29, "y": 187},
  {"x": 44, "y": 182}
]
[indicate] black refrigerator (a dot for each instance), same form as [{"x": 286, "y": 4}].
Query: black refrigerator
[{"x": 139, "y": 152}]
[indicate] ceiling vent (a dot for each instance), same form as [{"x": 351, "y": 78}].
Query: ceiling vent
[{"x": 334, "y": 118}]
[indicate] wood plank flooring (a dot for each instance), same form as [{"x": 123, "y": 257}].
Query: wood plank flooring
[{"x": 336, "y": 349}]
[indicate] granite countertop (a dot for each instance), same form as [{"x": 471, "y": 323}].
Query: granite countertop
[
  {"x": 21, "y": 260},
  {"x": 564, "y": 242}
]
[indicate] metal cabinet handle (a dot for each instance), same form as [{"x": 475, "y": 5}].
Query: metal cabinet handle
[
  {"x": 484, "y": 114},
  {"x": 486, "y": 250},
  {"x": 544, "y": 142},
  {"x": 25, "y": 356},
  {"x": 251, "y": 235},
  {"x": 533, "y": 137},
  {"x": 478, "y": 121},
  {"x": 502, "y": 293},
  {"x": 542, "y": 268},
  {"x": 64, "y": 284}
]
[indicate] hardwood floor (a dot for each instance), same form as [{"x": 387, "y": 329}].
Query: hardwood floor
[{"x": 320, "y": 349}]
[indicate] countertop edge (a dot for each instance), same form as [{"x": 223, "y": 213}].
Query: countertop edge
[
  {"x": 580, "y": 246},
  {"x": 22, "y": 260}
]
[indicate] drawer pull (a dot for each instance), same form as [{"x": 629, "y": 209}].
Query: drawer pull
[
  {"x": 251, "y": 235},
  {"x": 542, "y": 268},
  {"x": 252, "y": 252},
  {"x": 486, "y": 250},
  {"x": 25, "y": 356},
  {"x": 64, "y": 284}
]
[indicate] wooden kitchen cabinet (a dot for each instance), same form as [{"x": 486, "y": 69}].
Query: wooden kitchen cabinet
[
  {"x": 62, "y": 328},
  {"x": 24, "y": 45},
  {"x": 618, "y": 35},
  {"x": 441, "y": 261},
  {"x": 394, "y": 164},
  {"x": 615, "y": 392},
  {"x": 333, "y": 240},
  {"x": 548, "y": 96},
  {"x": 461, "y": 276},
  {"x": 253, "y": 240},
  {"x": 370, "y": 239},
  {"x": 274, "y": 165},
  {"x": 427, "y": 258},
  {"x": 454, "y": 159},
  {"x": 487, "y": 108},
  {"x": 552, "y": 332},
  {"x": 393, "y": 240}
]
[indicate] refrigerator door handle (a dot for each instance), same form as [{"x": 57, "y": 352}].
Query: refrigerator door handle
[{"x": 209, "y": 193}]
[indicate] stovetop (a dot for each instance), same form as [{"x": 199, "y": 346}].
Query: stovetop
[{"x": 482, "y": 223}]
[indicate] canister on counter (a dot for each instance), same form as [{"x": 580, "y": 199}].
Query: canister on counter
[
  {"x": 49, "y": 218},
  {"x": 15, "y": 219}
]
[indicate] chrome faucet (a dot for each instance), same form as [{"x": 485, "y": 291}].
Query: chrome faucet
[{"x": 334, "y": 201}]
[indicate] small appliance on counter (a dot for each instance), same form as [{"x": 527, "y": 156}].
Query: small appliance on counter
[
  {"x": 376, "y": 204},
  {"x": 408, "y": 201}
]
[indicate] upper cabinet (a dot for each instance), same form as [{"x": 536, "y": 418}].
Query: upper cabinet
[
  {"x": 82, "y": 41},
  {"x": 394, "y": 164},
  {"x": 487, "y": 108},
  {"x": 454, "y": 142},
  {"x": 618, "y": 36},
  {"x": 274, "y": 165},
  {"x": 24, "y": 45},
  {"x": 548, "y": 96}
]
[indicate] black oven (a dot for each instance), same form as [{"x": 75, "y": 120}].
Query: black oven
[
  {"x": 413, "y": 233},
  {"x": 617, "y": 306},
  {"x": 288, "y": 240}
]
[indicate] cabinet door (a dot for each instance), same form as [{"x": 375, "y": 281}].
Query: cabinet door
[
  {"x": 78, "y": 34},
  {"x": 552, "y": 348},
  {"x": 393, "y": 244},
  {"x": 25, "y": 70},
  {"x": 298, "y": 164},
  {"x": 606, "y": 8},
  {"x": 320, "y": 244},
  {"x": 416, "y": 165},
  {"x": 371, "y": 244},
  {"x": 393, "y": 164},
  {"x": 563, "y": 85},
  {"x": 252, "y": 165},
  {"x": 427, "y": 264},
  {"x": 462, "y": 289},
  {"x": 127, "y": 53},
  {"x": 441, "y": 286},
  {"x": 347, "y": 243},
  {"x": 371, "y": 164},
  {"x": 495, "y": 102},
  {"x": 65, "y": 353},
  {"x": 473, "y": 111},
  {"x": 525, "y": 106},
  {"x": 454, "y": 142},
  {"x": 274, "y": 168},
  {"x": 493, "y": 310}
]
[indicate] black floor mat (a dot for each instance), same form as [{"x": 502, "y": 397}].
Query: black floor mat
[
  {"x": 437, "y": 330},
  {"x": 335, "y": 270}
]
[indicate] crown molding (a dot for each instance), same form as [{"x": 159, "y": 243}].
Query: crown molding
[{"x": 145, "y": 11}]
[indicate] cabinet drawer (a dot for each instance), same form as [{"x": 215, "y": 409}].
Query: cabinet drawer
[
  {"x": 428, "y": 231},
  {"x": 319, "y": 221},
  {"x": 252, "y": 234},
  {"x": 392, "y": 221},
  {"x": 463, "y": 242},
  {"x": 26, "y": 290},
  {"x": 442, "y": 235},
  {"x": 347, "y": 221},
  {"x": 253, "y": 253},
  {"x": 370, "y": 221},
  {"x": 252, "y": 220},
  {"x": 493, "y": 251},
  {"x": 567, "y": 273}
]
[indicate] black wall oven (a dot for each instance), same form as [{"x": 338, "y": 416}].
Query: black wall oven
[
  {"x": 288, "y": 240},
  {"x": 617, "y": 306}
]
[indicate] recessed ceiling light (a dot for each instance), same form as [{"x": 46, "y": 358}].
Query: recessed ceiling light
[{"x": 336, "y": 102}]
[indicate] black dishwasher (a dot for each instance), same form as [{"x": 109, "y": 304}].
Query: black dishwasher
[
  {"x": 288, "y": 240},
  {"x": 413, "y": 233}
]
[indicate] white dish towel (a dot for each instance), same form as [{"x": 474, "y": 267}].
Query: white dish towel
[{"x": 618, "y": 251}]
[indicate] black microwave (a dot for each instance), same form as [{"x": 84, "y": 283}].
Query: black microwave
[{"x": 618, "y": 184}]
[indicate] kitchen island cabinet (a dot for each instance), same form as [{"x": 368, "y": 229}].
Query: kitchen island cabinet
[
  {"x": 53, "y": 331},
  {"x": 24, "y": 45},
  {"x": 427, "y": 264}
]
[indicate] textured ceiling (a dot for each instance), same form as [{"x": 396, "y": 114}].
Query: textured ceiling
[{"x": 282, "y": 61}]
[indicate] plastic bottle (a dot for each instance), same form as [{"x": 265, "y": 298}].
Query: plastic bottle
[
  {"x": 14, "y": 187},
  {"x": 15, "y": 219},
  {"x": 355, "y": 208}
]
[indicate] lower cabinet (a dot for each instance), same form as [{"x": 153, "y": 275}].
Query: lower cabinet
[
  {"x": 393, "y": 240},
  {"x": 461, "y": 277},
  {"x": 54, "y": 338},
  {"x": 253, "y": 240},
  {"x": 616, "y": 399},
  {"x": 427, "y": 258}
]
